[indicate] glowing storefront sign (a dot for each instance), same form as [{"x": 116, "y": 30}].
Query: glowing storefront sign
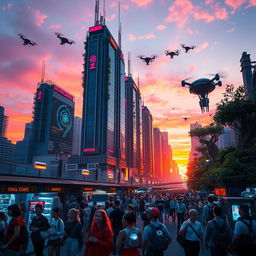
[
  {"x": 39, "y": 95},
  {"x": 89, "y": 149},
  {"x": 55, "y": 189},
  {"x": 85, "y": 172},
  {"x": 96, "y": 28},
  {"x": 92, "y": 61},
  {"x": 17, "y": 189},
  {"x": 40, "y": 166},
  {"x": 62, "y": 92},
  {"x": 220, "y": 191}
]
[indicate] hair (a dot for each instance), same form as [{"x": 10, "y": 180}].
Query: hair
[
  {"x": 130, "y": 217},
  {"x": 106, "y": 221},
  {"x": 56, "y": 210},
  {"x": 210, "y": 199},
  {"x": 39, "y": 206},
  {"x": 76, "y": 211},
  {"x": 111, "y": 204},
  {"x": 15, "y": 209},
  {"x": 217, "y": 210},
  {"x": 192, "y": 211},
  {"x": 245, "y": 208},
  {"x": 117, "y": 202}
]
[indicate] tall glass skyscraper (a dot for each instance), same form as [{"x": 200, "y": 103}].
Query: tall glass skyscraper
[
  {"x": 103, "y": 123},
  {"x": 3, "y": 122}
]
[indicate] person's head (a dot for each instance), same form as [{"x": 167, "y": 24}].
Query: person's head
[
  {"x": 130, "y": 208},
  {"x": 38, "y": 209},
  {"x": 153, "y": 213},
  {"x": 111, "y": 205},
  {"x": 101, "y": 218},
  {"x": 2, "y": 216},
  {"x": 94, "y": 203},
  {"x": 14, "y": 210},
  {"x": 244, "y": 210},
  {"x": 210, "y": 199},
  {"x": 129, "y": 219},
  {"x": 193, "y": 215},
  {"x": 117, "y": 203},
  {"x": 217, "y": 211},
  {"x": 56, "y": 212},
  {"x": 147, "y": 205},
  {"x": 73, "y": 215},
  {"x": 106, "y": 204}
]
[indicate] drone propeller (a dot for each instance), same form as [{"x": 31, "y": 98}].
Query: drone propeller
[
  {"x": 188, "y": 78},
  {"x": 221, "y": 74},
  {"x": 58, "y": 34},
  {"x": 19, "y": 34}
]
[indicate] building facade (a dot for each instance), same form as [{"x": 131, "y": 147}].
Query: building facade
[
  {"x": 158, "y": 154},
  {"x": 3, "y": 122},
  {"x": 195, "y": 143},
  {"x": 103, "y": 122},
  {"x": 77, "y": 132},
  {"x": 166, "y": 155}
]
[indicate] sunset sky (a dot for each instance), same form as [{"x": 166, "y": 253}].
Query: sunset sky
[{"x": 221, "y": 30}]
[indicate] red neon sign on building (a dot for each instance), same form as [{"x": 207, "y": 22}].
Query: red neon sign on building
[
  {"x": 39, "y": 95},
  {"x": 92, "y": 61}
]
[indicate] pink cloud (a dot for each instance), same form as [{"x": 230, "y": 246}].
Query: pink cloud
[
  {"x": 202, "y": 47},
  {"x": 192, "y": 68},
  {"x": 142, "y": 2},
  {"x": 203, "y": 15},
  {"x": 148, "y": 36},
  {"x": 235, "y": 3},
  {"x": 9, "y": 6},
  {"x": 132, "y": 37},
  {"x": 125, "y": 6},
  {"x": 231, "y": 30},
  {"x": 111, "y": 17},
  {"x": 40, "y": 17},
  {"x": 113, "y": 4},
  {"x": 221, "y": 14},
  {"x": 208, "y": 2},
  {"x": 55, "y": 26},
  {"x": 161, "y": 27}
]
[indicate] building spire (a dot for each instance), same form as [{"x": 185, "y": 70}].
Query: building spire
[
  {"x": 43, "y": 72},
  {"x": 96, "y": 20},
  {"x": 129, "y": 64},
  {"x": 119, "y": 26}
]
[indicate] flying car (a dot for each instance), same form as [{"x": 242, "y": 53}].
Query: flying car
[
  {"x": 188, "y": 48},
  {"x": 172, "y": 53},
  {"x": 185, "y": 118},
  {"x": 26, "y": 41},
  {"x": 203, "y": 87},
  {"x": 148, "y": 60},
  {"x": 63, "y": 40}
]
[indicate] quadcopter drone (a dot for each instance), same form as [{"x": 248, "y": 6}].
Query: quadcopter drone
[
  {"x": 172, "y": 53},
  {"x": 26, "y": 41},
  {"x": 185, "y": 118},
  {"x": 64, "y": 40},
  {"x": 188, "y": 48},
  {"x": 202, "y": 87},
  {"x": 148, "y": 60}
]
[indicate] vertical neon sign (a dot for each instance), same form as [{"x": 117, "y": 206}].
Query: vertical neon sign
[
  {"x": 39, "y": 95},
  {"x": 92, "y": 61}
]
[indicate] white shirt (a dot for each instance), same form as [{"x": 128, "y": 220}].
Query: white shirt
[{"x": 190, "y": 234}]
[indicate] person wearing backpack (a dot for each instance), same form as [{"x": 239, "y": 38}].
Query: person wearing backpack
[
  {"x": 181, "y": 212},
  {"x": 218, "y": 235},
  {"x": 208, "y": 211},
  {"x": 55, "y": 233},
  {"x": 130, "y": 238},
  {"x": 13, "y": 243},
  {"x": 156, "y": 237},
  {"x": 244, "y": 240},
  {"x": 192, "y": 232}
]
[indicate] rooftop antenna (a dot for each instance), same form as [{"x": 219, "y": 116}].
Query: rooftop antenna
[
  {"x": 43, "y": 72},
  {"x": 138, "y": 81},
  {"x": 129, "y": 64},
  {"x": 96, "y": 20},
  {"x": 119, "y": 26},
  {"x": 104, "y": 11}
]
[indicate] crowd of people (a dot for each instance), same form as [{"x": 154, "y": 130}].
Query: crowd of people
[{"x": 114, "y": 229}]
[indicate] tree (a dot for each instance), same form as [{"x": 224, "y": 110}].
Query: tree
[
  {"x": 235, "y": 110},
  {"x": 208, "y": 136}
]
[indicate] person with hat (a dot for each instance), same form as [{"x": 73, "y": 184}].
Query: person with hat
[{"x": 156, "y": 237}]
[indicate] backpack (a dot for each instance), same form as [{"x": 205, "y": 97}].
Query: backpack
[
  {"x": 133, "y": 238},
  {"x": 24, "y": 238},
  {"x": 248, "y": 240},
  {"x": 221, "y": 236},
  {"x": 210, "y": 214},
  {"x": 158, "y": 240}
]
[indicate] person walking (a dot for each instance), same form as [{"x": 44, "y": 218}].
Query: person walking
[
  {"x": 39, "y": 227},
  {"x": 244, "y": 233},
  {"x": 130, "y": 238},
  {"x": 192, "y": 232},
  {"x": 73, "y": 233},
  {"x": 100, "y": 237},
  {"x": 172, "y": 207},
  {"x": 208, "y": 211},
  {"x": 145, "y": 217},
  {"x": 13, "y": 237},
  {"x": 55, "y": 233},
  {"x": 116, "y": 219},
  {"x": 156, "y": 238},
  {"x": 3, "y": 226},
  {"x": 181, "y": 212},
  {"x": 218, "y": 235}
]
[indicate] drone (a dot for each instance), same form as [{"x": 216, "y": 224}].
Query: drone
[
  {"x": 64, "y": 40},
  {"x": 186, "y": 118},
  {"x": 202, "y": 87},
  {"x": 148, "y": 60},
  {"x": 172, "y": 53},
  {"x": 187, "y": 48},
  {"x": 26, "y": 41}
]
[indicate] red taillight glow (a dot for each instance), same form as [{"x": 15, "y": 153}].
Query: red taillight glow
[{"x": 96, "y": 28}]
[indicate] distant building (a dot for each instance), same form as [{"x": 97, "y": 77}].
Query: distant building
[
  {"x": 225, "y": 140},
  {"x": 166, "y": 155},
  {"x": 175, "y": 175},
  {"x": 148, "y": 144},
  {"x": 7, "y": 151},
  {"x": 53, "y": 121},
  {"x": 3, "y": 122},
  {"x": 158, "y": 154},
  {"x": 195, "y": 143},
  {"x": 77, "y": 133}
]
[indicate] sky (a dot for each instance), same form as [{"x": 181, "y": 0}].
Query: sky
[{"x": 221, "y": 31}]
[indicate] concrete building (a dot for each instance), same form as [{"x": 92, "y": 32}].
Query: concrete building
[
  {"x": 7, "y": 151},
  {"x": 166, "y": 155},
  {"x": 226, "y": 139},
  {"x": 77, "y": 133},
  {"x": 158, "y": 154},
  {"x": 148, "y": 144},
  {"x": 3, "y": 122}
]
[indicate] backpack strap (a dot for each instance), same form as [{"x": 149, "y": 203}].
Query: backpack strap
[
  {"x": 219, "y": 227},
  {"x": 195, "y": 231},
  {"x": 249, "y": 226}
]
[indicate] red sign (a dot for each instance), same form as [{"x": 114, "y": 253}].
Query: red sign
[
  {"x": 220, "y": 191},
  {"x": 89, "y": 149},
  {"x": 32, "y": 205},
  {"x": 39, "y": 95},
  {"x": 92, "y": 61},
  {"x": 62, "y": 92},
  {"x": 87, "y": 189},
  {"x": 96, "y": 28}
]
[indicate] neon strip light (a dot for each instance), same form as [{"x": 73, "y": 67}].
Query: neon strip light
[
  {"x": 126, "y": 79},
  {"x": 96, "y": 28},
  {"x": 110, "y": 151},
  {"x": 89, "y": 149},
  {"x": 62, "y": 92},
  {"x": 113, "y": 43},
  {"x": 143, "y": 108}
]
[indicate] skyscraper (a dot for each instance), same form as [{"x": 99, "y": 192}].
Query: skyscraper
[
  {"x": 148, "y": 144},
  {"x": 195, "y": 143},
  {"x": 52, "y": 126},
  {"x": 166, "y": 155},
  {"x": 103, "y": 122},
  {"x": 134, "y": 148},
  {"x": 3, "y": 122},
  {"x": 77, "y": 132},
  {"x": 158, "y": 154}
]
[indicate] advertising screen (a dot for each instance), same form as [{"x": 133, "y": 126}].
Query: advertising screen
[
  {"x": 62, "y": 118},
  {"x": 235, "y": 211}
]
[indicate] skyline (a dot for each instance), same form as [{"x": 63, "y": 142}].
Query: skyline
[{"x": 20, "y": 67}]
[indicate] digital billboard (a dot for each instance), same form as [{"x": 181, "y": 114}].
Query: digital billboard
[{"x": 61, "y": 127}]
